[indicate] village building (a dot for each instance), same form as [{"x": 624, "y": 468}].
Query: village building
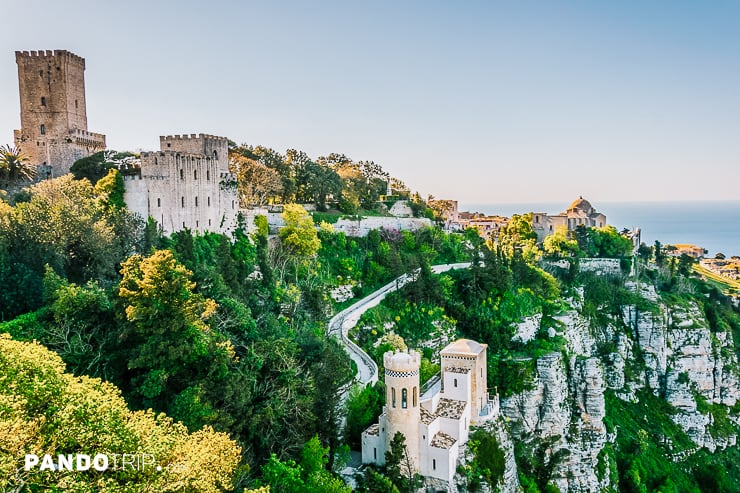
[
  {"x": 435, "y": 425},
  {"x": 579, "y": 213}
]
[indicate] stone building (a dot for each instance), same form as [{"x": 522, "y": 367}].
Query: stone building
[
  {"x": 437, "y": 423},
  {"x": 186, "y": 184},
  {"x": 53, "y": 130},
  {"x": 580, "y": 212}
]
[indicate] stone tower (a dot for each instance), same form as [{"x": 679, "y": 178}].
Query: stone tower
[
  {"x": 402, "y": 412},
  {"x": 53, "y": 130},
  {"x": 186, "y": 184}
]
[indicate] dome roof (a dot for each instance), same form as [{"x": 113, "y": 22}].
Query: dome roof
[
  {"x": 581, "y": 204},
  {"x": 464, "y": 346}
]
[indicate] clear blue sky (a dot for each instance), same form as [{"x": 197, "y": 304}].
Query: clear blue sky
[{"x": 486, "y": 102}]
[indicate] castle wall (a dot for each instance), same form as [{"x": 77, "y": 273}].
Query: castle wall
[{"x": 182, "y": 189}]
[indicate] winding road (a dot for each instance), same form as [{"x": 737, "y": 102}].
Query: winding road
[{"x": 339, "y": 325}]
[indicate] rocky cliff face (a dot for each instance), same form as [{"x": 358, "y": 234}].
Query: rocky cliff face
[
  {"x": 686, "y": 363},
  {"x": 565, "y": 405},
  {"x": 668, "y": 348}
]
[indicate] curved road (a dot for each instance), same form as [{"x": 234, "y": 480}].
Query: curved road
[{"x": 339, "y": 325}]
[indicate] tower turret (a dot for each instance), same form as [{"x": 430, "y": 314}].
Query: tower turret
[{"x": 402, "y": 410}]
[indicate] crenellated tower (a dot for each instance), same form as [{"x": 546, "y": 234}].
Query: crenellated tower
[
  {"x": 402, "y": 411},
  {"x": 53, "y": 111},
  {"x": 186, "y": 184}
]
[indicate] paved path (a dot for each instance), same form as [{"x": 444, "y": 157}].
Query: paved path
[{"x": 339, "y": 325}]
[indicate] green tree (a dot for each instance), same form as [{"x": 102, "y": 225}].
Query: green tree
[
  {"x": 299, "y": 234},
  {"x": 15, "y": 166},
  {"x": 171, "y": 346},
  {"x": 46, "y": 410}
]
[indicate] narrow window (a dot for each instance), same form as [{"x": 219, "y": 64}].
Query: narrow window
[
  {"x": 43, "y": 129},
  {"x": 209, "y": 201},
  {"x": 481, "y": 371},
  {"x": 195, "y": 174},
  {"x": 455, "y": 382},
  {"x": 182, "y": 201},
  {"x": 414, "y": 396},
  {"x": 393, "y": 397},
  {"x": 43, "y": 101},
  {"x": 375, "y": 453},
  {"x": 159, "y": 202},
  {"x": 76, "y": 105},
  {"x": 215, "y": 155},
  {"x": 183, "y": 224},
  {"x": 208, "y": 175},
  {"x": 196, "y": 201},
  {"x": 404, "y": 398},
  {"x": 196, "y": 224},
  {"x": 209, "y": 222},
  {"x": 182, "y": 174},
  {"x": 232, "y": 204},
  {"x": 434, "y": 464},
  {"x": 41, "y": 73}
]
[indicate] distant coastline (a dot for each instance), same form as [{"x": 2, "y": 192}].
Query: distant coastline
[{"x": 714, "y": 225}]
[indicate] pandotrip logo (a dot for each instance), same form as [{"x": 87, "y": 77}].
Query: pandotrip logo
[{"x": 97, "y": 462}]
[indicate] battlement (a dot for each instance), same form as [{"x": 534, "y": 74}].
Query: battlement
[
  {"x": 22, "y": 56},
  {"x": 84, "y": 134},
  {"x": 190, "y": 137}
]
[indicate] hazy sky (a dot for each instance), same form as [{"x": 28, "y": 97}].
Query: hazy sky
[{"x": 491, "y": 101}]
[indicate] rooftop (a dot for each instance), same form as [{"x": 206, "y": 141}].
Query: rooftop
[
  {"x": 464, "y": 346},
  {"x": 443, "y": 440},
  {"x": 451, "y": 408},
  {"x": 373, "y": 430},
  {"x": 426, "y": 416}
]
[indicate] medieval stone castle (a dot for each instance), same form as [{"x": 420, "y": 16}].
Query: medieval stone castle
[
  {"x": 53, "y": 130},
  {"x": 186, "y": 184}
]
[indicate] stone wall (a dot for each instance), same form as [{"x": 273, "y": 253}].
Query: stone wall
[{"x": 186, "y": 185}]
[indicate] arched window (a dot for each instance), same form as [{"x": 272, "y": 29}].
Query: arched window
[
  {"x": 404, "y": 398},
  {"x": 196, "y": 201},
  {"x": 155, "y": 160},
  {"x": 182, "y": 174},
  {"x": 182, "y": 201},
  {"x": 414, "y": 397},
  {"x": 455, "y": 382},
  {"x": 43, "y": 129},
  {"x": 215, "y": 155},
  {"x": 208, "y": 175},
  {"x": 159, "y": 202},
  {"x": 195, "y": 174},
  {"x": 393, "y": 397}
]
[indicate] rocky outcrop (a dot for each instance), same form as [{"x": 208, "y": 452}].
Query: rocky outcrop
[
  {"x": 666, "y": 347},
  {"x": 567, "y": 403},
  {"x": 685, "y": 361}
]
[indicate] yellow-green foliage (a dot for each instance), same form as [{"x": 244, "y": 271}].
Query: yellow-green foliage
[
  {"x": 299, "y": 233},
  {"x": 44, "y": 410}
]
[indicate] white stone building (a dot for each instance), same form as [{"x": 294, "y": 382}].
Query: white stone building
[
  {"x": 437, "y": 424},
  {"x": 186, "y": 184},
  {"x": 580, "y": 212}
]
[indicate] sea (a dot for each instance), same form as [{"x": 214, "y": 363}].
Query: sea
[{"x": 713, "y": 225}]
